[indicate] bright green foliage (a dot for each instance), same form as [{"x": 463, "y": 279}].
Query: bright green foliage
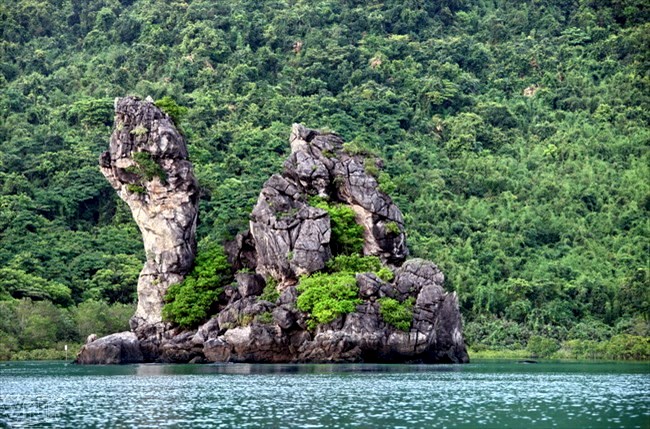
[
  {"x": 136, "y": 189},
  {"x": 270, "y": 293},
  {"x": 487, "y": 332},
  {"x": 147, "y": 167},
  {"x": 398, "y": 314},
  {"x": 39, "y": 329},
  {"x": 97, "y": 317},
  {"x": 244, "y": 319},
  {"x": 190, "y": 302},
  {"x": 91, "y": 112},
  {"x": 327, "y": 296},
  {"x": 393, "y": 228},
  {"x": 19, "y": 284},
  {"x": 370, "y": 167},
  {"x": 385, "y": 273},
  {"x": 266, "y": 317},
  {"x": 114, "y": 279},
  {"x": 542, "y": 347},
  {"x": 354, "y": 264},
  {"x": 169, "y": 106},
  {"x": 347, "y": 234},
  {"x": 623, "y": 346},
  {"x": 139, "y": 131}
]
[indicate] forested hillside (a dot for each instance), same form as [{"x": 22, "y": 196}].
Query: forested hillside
[{"x": 514, "y": 136}]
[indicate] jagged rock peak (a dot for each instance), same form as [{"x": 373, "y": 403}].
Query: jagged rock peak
[
  {"x": 147, "y": 164},
  {"x": 293, "y": 238}
]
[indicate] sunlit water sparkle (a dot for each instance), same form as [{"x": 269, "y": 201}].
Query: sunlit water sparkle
[{"x": 478, "y": 395}]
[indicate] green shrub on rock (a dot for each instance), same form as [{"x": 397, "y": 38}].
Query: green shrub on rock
[
  {"x": 359, "y": 264},
  {"x": 347, "y": 234},
  {"x": 169, "y": 106},
  {"x": 270, "y": 293},
  {"x": 397, "y": 314},
  {"x": 189, "y": 303},
  {"x": 354, "y": 264},
  {"x": 148, "y": 167},
  {"x": 327, "y": 296}
]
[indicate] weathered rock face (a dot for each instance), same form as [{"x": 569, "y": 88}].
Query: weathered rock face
[
  {"x": 148, "y": 167},
  {"x": 122, "y": 347},
  {"x": 291, "y": 238},
  {"x": 319, "y": 166},
  {"x": 288, "y": 238},
  {"x": 362, "y": 336}
]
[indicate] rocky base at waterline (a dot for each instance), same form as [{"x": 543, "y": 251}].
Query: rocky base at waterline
[
  {"x": 293, "y": 236},
  {"x": 244, "y": 332}
]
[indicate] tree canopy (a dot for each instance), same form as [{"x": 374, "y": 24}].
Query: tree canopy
[{"x": 514, "y": 136}]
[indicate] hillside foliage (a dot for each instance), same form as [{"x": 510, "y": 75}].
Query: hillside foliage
[{"x": 514, "y": 137}]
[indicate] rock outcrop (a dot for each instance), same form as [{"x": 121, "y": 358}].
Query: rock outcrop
[
  {"x": 147, "y": 164},
  {"x": 123, "y": 347},
  {"x": 284, "y": 224},
  {"x": 435, "y": 335},
  {"x": 289, "y": 238},
  {"x": 258, "y": 317}
]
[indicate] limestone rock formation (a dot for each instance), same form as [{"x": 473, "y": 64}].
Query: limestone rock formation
[
  {"x": 362, "y": 336},
  {"x": 122, "y": 347},
  {"x": 147, "y": 164},
  {"x": 318, "y": 164},
  {"x": 291, "y": 237},
  {"x": 258, "y": 318}
]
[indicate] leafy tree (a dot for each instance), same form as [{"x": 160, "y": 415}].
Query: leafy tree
[{"x": 19, "y": 284}]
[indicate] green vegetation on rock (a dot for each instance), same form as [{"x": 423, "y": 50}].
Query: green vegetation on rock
[
  {"x": 347, "y": 234},
  {"x": 398, "y": 314},
  {"x": 327, "y": 296},
  {"x": 169, "y": 106},
  {"x": 270, "y": 292},
  {"x": 266, "y": 317},
  {"x": 192, "y": 301},
  {"x": 359, "y": 264},
  {"x": 147, "y": 167}
]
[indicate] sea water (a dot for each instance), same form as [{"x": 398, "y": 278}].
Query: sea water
[{"x": 484, "y": 394}]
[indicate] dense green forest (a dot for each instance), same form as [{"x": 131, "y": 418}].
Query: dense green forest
[{"x": 514, "y": 136}]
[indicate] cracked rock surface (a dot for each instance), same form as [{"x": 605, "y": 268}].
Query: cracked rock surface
[
  {"x": 164, "y": 203},
  {"x": 147, "y": 165}
]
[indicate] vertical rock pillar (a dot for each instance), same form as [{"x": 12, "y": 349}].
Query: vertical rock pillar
[{"x": 147, "y": 164}]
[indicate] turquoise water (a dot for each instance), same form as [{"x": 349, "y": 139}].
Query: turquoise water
[{"x": 478, "y": 395}]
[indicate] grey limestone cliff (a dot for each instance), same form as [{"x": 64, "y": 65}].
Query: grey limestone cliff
[
  {"x": 288, "y": 238},
  {"x": 283, "y": 223},
  {"x": 147, "y": 164}
]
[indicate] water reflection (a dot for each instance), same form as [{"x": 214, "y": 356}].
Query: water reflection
[{"x": 251, "y": 369}]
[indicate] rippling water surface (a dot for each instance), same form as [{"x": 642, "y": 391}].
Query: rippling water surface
[{"x": 484, "y": 394}]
